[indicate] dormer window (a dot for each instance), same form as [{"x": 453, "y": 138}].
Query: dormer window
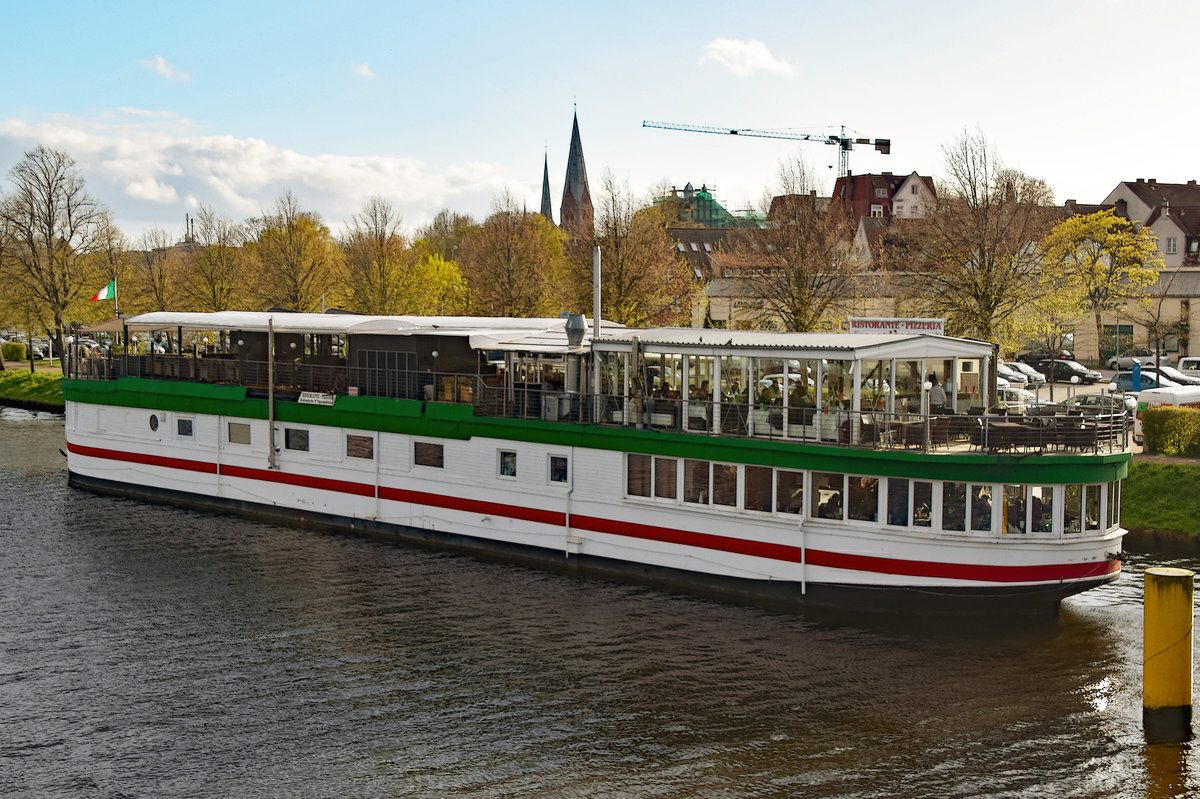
[{"x": 881, "y": 192}]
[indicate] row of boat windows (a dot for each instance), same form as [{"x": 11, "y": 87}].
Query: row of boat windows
[
  {"x": 425, "y": 453},
  {"x": 898, "y": 501}
]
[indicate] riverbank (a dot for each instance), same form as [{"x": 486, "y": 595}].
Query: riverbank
[{"x": 39, "y": 390}]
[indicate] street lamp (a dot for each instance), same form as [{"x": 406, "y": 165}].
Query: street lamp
[{"x": 1074, "y": 382}]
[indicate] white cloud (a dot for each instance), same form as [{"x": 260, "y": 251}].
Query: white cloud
[
  {"x": 159, "y": 64},
  {"x": 746, "y": 58},
  {"x": 363, "y": 71},
  {"x": 152, "y": 167}
]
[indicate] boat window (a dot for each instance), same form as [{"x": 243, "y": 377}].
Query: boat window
[
  {"x": 695, "y": 481},
  {"x": 954, "y": 506},
  {"x": 864, "y": 499},
  {"x": 1091, "y": 507},
  {"x": 827, "y": 489},
  {"x": 508, "y": 463},
  {"x": 922, "y": 505},
  {"x": 296, "y": 439},
  {"x": 724, "y": 478},
  {"x": 1041, "y": 508},
  {"x": 360, "y": 447},
  {"x": 664, "y": 477},
  {"x": 1014, "y": 509},
  {"x": 183, "y": 427},
  {"x": 897, "y": 501},
  {"x": 558, "y": 469},
  {"x": 789, "y": 491},
  {"x": 1114, "y": 503},
  {"x": 239, "y": 433},
  {"x": 757, "y": 490},
  {"x": 981, "y": 508},
  {"x": 1072, "y": 506},
  {"x": 637, "y": 478},
  {"x": 426, "y": 453}
]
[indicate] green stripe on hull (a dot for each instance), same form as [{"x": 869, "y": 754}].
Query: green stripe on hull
[{"x": 443, "y": 420}]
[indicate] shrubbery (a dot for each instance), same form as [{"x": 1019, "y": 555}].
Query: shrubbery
[
  {"x": 1171, "y": 431},
  {"x": 13, "y": 351}
]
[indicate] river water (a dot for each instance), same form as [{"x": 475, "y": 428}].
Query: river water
[{"x": 148, "y": 651}]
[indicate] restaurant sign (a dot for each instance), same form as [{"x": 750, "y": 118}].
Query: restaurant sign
[{"x": 863, "y": 324}]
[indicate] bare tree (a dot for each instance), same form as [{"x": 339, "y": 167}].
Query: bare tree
[
  {"x": 50, "y": 224},
  {"x": 981, "y": 257},
  {"x": 376, "y": 259},
  {"x": 801, "y": 264},
  {"x": 157, "y": 268},
  {"x": 505, "y": 262},
  {"x": 643, "y": 280},
  {"x": 215, "y": 262}
]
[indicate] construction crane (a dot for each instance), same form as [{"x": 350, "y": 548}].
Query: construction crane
[{"x": 844, "y": 143}]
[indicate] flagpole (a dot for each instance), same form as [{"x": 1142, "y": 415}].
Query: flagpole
[{"x": 116, "y": 310}]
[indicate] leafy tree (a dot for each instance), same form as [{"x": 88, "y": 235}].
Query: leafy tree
[
  {"x": 50, "y": 224},
  {"x": 300, "y": 265},
  {"x": 434, "y": 286},
  {"x": 215, "y": 262},
  {"x": 805, "y": 273},
  {"x": 377, "y": 260},
  {"x": 980, "y": 259},
  {"x": 1102, "y": 260}
]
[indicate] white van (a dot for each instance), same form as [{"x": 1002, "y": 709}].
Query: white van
[
  {"x": 1189, "y": 365},
  {"x": 1179, "y": 397}
]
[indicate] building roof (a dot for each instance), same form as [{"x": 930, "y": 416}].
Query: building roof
[
  {"x": 576, "y": 208},
  {"x": 843, "y": 346},
  {"x": 547, "y": 211},
  {"x": 1155, "y": 194}
]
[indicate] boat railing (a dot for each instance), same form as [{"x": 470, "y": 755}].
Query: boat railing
[{"x": 489, "y": 396}]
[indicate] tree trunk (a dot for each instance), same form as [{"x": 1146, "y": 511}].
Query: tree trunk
[{"x": 1100, "y": 341}]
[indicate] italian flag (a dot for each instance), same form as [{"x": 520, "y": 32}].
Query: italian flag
[{"x": 106, "y": 293}]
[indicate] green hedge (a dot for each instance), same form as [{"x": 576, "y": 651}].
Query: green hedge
[
  {"x": 1171, "y": 431},
  {"x": 13, "y": 351}
]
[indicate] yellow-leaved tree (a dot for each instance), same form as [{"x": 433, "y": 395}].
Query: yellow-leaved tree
[{"x": 1100, "y": 259}]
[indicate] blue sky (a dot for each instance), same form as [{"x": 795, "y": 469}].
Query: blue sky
[{"x": 446, "y": 105}]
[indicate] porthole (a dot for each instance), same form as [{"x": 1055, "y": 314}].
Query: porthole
[{"x": 154, "y": 422}]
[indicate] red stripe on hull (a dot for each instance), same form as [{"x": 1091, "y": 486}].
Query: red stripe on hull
[
  {"x": 474, "y": 506},
  {"x": 149, "y": 460},
  {"x": 1046, "y": 573}
]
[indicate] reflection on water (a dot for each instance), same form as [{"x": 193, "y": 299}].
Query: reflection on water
[{"x": 151, "y": 651}]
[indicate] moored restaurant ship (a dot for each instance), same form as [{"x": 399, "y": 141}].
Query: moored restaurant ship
[{"x": 845, "y": 469}]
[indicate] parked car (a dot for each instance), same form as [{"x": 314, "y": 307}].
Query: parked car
[
  {"x": 1061, "y": 371},
  {"x": 1124, "y": 381},
  {"x": 1183, "y": 397},
  {"x": 1107, "y": 404},
  {"x": 1126, "y": 360},
  {"x": 1171, "y": 373},
  {"x": 1013, "y": 376},
  {"x": 1033, "y": 376},
  {"x": 1189, "y": 365},
  {"x": 1021, "y": 400},
  {"x": 1033, "y": 356}
]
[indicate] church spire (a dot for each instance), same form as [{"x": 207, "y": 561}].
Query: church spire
[
  {"x": 576, "y": 214},
  {"x": 546, "y": 210}
]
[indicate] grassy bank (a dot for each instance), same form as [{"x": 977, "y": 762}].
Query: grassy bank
[
  {"x": 1162, "y": 497},
  {"x": 22, "y": 386}
]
